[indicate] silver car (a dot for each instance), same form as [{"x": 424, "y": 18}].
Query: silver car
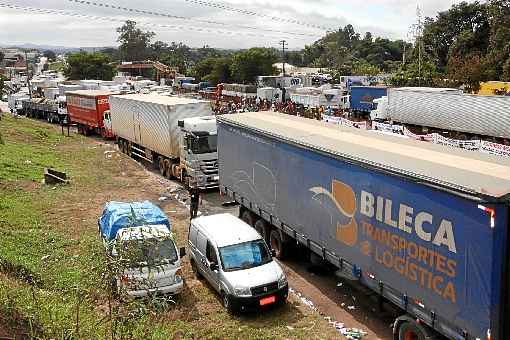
[{"x": 236, "y": 261}]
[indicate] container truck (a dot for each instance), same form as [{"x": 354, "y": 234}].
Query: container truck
[
  {"x": 447, "y": 109},
  {"x": 423, "y": 226},
  {"x": 86, "y": 108},
  {"x": 178, "y": 135},
  {"x": 42, "y": 108},
  {"x": 362, "y": 97}
]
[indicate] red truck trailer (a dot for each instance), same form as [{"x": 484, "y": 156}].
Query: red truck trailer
[{"x": 87, "y": 108}]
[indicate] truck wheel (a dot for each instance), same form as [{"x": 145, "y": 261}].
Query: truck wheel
[
  {"x": 247, "y": 217},
  {"x": 262, "y": 228},
  {"x": 168, "y": 168},
  {"x": 411, "y": 331},
  {"x": 161, "y": 166},
  {"x": 276, "y": 244}
]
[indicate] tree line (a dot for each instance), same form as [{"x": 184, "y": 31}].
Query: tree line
[{"x": 467, "y": 44}]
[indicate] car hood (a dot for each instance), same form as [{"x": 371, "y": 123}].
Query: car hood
[{"x": 253, "y": 277}]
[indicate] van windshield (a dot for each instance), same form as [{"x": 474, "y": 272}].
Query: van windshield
[
  {"x": 205, "y": 144},
  {"x": 244, "y": 255},
  {"x": 149, "y": 251}
]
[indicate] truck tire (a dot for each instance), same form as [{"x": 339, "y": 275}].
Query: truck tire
[
  {"x": 262, "y": 228},
  {"x": 412, "y": 331},
  {"x": 247, "y": 217},
  {"x": 276, "y": 244},
  {"x": 168, "y": 168},
  {"x": 161, "y": 166}
]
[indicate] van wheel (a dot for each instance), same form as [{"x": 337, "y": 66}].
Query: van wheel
[
  {"x": 247, "y": 217},
  {"x": 276, "y": 243},
  {"x": 262, "y": 228},
  {"x": 195, "y": 270},
  {"x": 411, "y": 331},
  {"x": 227, "y": 303}
]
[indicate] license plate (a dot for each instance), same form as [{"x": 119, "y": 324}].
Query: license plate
[{"x": 268, "y": 300}]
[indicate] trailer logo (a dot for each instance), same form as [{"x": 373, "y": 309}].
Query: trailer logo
[{"x": 341, "y": 200}]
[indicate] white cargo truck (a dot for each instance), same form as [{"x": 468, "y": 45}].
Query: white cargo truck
[
  {"x": 15, "y": 100},
  {"x": 446, "y": 109},
  {"x": 177, "y": 135}
]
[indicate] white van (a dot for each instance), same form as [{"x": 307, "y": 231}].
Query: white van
[{"x": 236, "y": 261}]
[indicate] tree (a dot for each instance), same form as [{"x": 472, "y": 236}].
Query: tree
[
  {"x": 50, "y": 55},
  {"x": 2, "y": 55},
  {"x": 134, "y": 43},
  {"x": 215, "y": 70},
  {"x": 413, "y": 75},
  {"x": 466, "y": 71},
  {"x": 85, "y": 65},
  {"x": 249, "y": 64}
]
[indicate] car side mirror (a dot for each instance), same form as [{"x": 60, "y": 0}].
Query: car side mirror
[
  {"x": 182, "y": 252},
  {"x": 273, "y": 253},
  {"x": 213, "y": 266}
]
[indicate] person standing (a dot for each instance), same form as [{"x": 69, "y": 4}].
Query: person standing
[{"x": 194, "y": 195}]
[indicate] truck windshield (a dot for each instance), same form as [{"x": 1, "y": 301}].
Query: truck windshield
[
  {"x": 244, "y": 255},
  {"x": 205, "y": 144},
  {"x": 149, "y": 251}
]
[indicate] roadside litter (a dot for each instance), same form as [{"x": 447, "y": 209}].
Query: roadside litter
[{"x": 349, "y": 333}]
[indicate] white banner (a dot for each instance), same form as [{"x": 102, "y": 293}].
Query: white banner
[
  {"x": 495, "y": 148},
  {"x": 427, "y": 138},
  {"x": 344, "y": 122},
  {"x": 463, "y": 144},
  {"x": 387, "y": 127}
]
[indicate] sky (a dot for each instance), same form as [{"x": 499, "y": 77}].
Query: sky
[{"x": 246, "y": 23}]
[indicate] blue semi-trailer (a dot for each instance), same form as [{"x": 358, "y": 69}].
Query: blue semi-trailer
[
  {"x": 423, "y": 226},
  {"x": 362, "y": 97}
]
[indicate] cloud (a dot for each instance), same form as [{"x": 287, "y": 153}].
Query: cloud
[{"x": 387, "y": 18}]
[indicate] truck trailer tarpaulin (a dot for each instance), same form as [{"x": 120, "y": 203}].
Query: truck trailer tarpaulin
[{"x": 423, "y": 225}]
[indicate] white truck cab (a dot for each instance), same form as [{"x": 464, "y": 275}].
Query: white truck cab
[
  {"x": 381, "y": 106},
  {"x": 236, "y": 261},
  {"x": 198, "y": 151},
  {"x": 154, "y": 263}
]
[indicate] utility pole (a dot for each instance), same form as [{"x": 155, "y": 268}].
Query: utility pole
[
  {"x": 419, "y": 37},
  {"x": 283, "y": 43},
  {"x": 28, "y": 76}
]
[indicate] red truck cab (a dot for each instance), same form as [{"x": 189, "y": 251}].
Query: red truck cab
[{"x": 86, "y": 109}]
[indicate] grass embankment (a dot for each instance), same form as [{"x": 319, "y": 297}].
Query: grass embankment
[{"x": 51, "y": 260}]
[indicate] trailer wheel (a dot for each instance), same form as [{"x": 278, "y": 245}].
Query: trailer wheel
[
  {"x": 411, "y": 331},
  {"x": 276, "y": 243},
  {"x": 168, "y": 168},
  {"x": 161, "y": 166},
  {"x": 247, "y": 217},
  {"x": 262, "y": 228}
]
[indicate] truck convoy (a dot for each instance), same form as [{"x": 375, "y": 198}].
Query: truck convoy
[
  {"x": 86, "y": 109},
  {"x": 446, "y": 109},
  {"x": 178, "y": 135},
  {"x": 139, "y": 233},
  {"x": 423, "y": 226}
]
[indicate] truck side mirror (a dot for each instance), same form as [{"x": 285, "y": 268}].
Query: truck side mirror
[
  {"x": 182, "y": 252},
  {"x": 180, "y": 123}
]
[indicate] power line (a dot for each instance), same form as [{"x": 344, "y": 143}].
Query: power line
[
  {"x": 226, "y": 7},
  {"x": 144, "y": 24},
  {"x": 167, "y": 15}
]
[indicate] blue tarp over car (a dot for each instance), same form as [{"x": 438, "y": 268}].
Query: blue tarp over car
[{"x": 118, "y": 215}]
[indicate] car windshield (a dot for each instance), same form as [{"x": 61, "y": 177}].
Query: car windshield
[
  {"x": 149, "y": 251},
  {"x": 205, "y": 144},
  {"x": 244, "y": 255}
]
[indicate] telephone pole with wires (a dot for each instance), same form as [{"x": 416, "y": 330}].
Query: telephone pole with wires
[{"x": 283, "y": 43}]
